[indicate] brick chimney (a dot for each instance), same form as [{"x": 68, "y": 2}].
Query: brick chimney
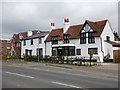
[{"x": 66, "y": 24}]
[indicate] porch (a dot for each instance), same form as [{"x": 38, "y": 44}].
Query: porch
[{"x": 63, "y": 50}]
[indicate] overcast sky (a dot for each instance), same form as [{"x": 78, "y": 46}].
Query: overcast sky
[{"x": 24, "y": 16}]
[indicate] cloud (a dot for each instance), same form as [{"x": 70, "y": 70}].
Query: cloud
[{"x": 23, "y": 16}]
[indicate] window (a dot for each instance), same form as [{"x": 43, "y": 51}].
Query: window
[
  {"x": 54, "y": 40},
  {"x": 40, "y": 40},
  {"x": 8, "y": 47},
  {"x": 95, "y": 50},
  {"x": 18, "y": 44},
  {"x": 108, "y": 38},
  {"x": 31, "y": 41},
  {"x": 87, "y": 28},
  {"x": 65, "y": 51},
  {"x": 78, "y": 51},
  {"x": 28, "y": 52},
  {"x": 39, "y": 51},
  {"x": 54, "y": 51},
  {"x": 82, "y": 38},
  {"x": 69, "y": 51},
  {"x": 8, "y": 41},
  {"x": 91, "y": 38},
  {"x": 13, "y": 53},
  {"x": 24, "y": 42},
  {"x": 66, "y": 39}
]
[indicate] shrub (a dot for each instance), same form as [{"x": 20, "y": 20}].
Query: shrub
[
  {"x": 8, "y": 57},
  {"x": 106, "y": 58},
  {"x": 31, "y": 58}
]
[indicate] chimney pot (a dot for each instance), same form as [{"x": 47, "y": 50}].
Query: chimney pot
[
  {"x": 52, "y": 25},
  {"x": 66, "y": 20}
]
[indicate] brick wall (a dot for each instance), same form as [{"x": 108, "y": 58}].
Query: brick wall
[
  {"x": 116, "y": 54},
  {"x": 5, "y": 47}
]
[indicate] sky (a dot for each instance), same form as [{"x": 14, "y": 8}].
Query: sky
[{"x": 25, "y": 16}]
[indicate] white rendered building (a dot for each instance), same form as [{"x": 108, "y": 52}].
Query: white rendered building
[
  {"x": 74, "y": 41},
  {"x": 34, "y": 44}
]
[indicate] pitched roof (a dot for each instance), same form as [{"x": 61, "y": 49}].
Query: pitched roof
[
  {"x": 24, "y": 34},
  {"x": 55, "y": 32},
  {"x": 73, "y": 31},
  {"x": 15, "y": 38},
  {"x": 41, "y": 34},
  {"x": 98, "y": 26},
  {"x": 115, "y": 44}
]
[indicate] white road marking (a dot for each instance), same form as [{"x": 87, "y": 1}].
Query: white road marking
[
  {"x": 60, "y": 68},
  {"x": 19, "y": 75},
  {"x": 66, "y": 85}
]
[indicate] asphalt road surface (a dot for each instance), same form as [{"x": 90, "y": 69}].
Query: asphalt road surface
[{"x": 50, "y": 77}]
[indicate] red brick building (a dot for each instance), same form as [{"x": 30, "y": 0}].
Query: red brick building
[{"x": 5, "y": 47}]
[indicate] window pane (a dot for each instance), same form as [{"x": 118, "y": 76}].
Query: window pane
[
  {"x": 54, "y": 51},
  {"x": 82, "y": 38},
  {"x": 95, "y": 50},
  {"x": 71, "y": 51},
  {"x": 54, "y": 40},
  {"x": 40, "y": 40},
  {"x": 108, "y": 38},
  {"x": 39, "y": 51},
  {"x": 65, "y": 51},
  {"x": 78, "y": 51},
  {"x": 66, "y": 39}
]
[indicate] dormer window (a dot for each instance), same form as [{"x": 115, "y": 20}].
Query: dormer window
[
  {"x": 82, "y": 38},
  {"x": 66, "y": 39},
  {"x": 91, "y": 37},
  {"x": 108, "y": 38},
  {"x": 54, "y": 39}
]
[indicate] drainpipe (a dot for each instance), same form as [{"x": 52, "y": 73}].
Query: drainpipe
[
  {"x": 102, "y": 47},
  {"x": 45, "y": 48}
]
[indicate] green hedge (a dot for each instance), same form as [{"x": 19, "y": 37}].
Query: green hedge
[
  {"x": 60, "y": 60},
  {"x": 8, "y": 57}
]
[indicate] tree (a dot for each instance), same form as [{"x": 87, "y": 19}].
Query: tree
[
  {"x": 91, "y": 52},
  {"x": 116, "y": 35}
]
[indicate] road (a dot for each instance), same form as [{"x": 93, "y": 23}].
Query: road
[{"x": 51, "y": 77}]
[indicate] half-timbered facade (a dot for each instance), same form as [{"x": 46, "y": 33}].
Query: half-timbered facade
[{"x": 78, "y": 40}]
